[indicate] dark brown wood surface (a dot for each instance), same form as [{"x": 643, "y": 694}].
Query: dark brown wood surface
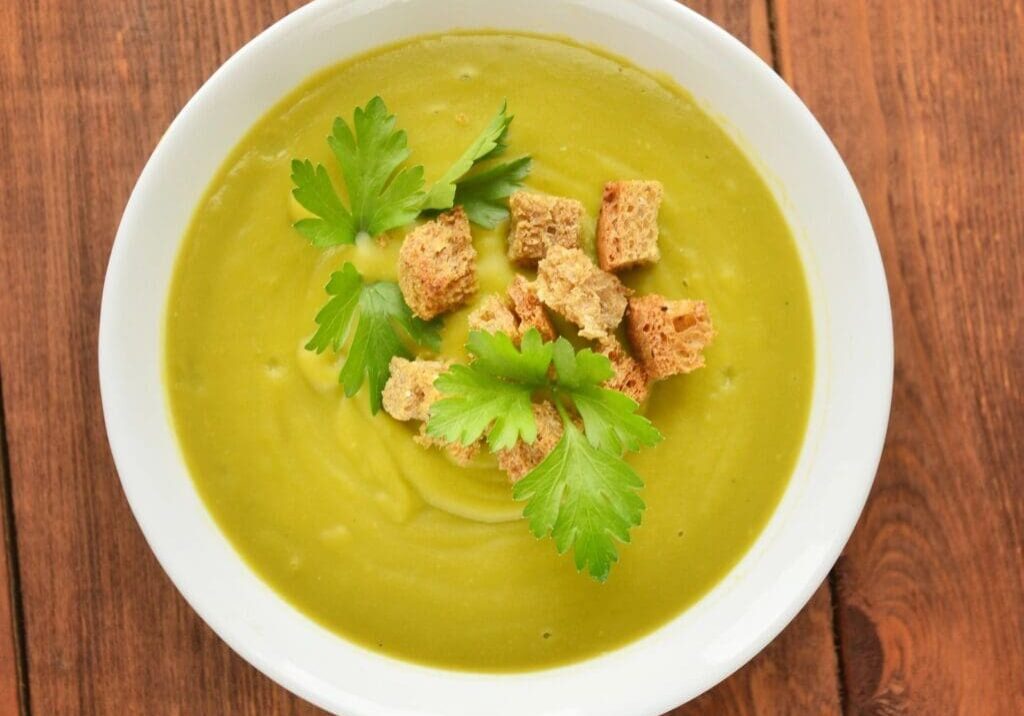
[
  {"x": 923, "y": 97},
  {"x": 926, "y": 102},
  {"x": 11, "y": 682}
]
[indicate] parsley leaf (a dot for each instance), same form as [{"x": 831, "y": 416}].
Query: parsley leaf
[
  {"x": 477, "y": 402},
  {"x": 610, "y": 422},
  {"x": 609, "y": 417},
  {"x": 585, "y": 498},
  {"x": 344, "y": 288},
  {"x": 376, "y": 340},
  {"x": 379, "y": 198},
  {"x": 493, "y": 393},
  {"x": 490, "y": 143},
  {"x": 482, "y": 195},
  {"x": 314, "y": 191},
  {"x": 495, "y": 353},
  {"x": 583, "y": 493}
]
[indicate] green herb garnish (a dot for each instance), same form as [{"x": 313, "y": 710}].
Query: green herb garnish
[
  {"x": 382, "y": 310},
  {"x": 585, "y": 498},
  {"x": 490, "y": 143},
  {"x": 379, "y": 198},
  {"x": 382, "y": 196},
  {"x": 484, "y": 195},
  {"x": 583, "y": 493},
  {"x": 493, "y": 394}
]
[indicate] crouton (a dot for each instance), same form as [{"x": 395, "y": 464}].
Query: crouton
[
  {"x": 494, "y": 316},
  {"x": 627, "y": 229},
  {"x": 528, "y": 308},
  {"x": 630, "y": 377},
  {"x": 519, "y": 459},
  {"x": 669, "y": 336},
  {"x": 539, "y": 222},
  {"x": 513, "y": 316},
  {"x": 461, "y": 455},
  {"x": 570, "y": 284},
  {"x": 437, "y": 265},
  {"x": 410, "y": 390},
  {"x": 408, "y": 395}
]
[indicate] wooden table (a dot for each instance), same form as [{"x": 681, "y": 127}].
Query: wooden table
[{"x": 923, "y": 614}]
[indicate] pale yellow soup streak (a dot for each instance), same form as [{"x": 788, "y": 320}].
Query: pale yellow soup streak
[{"x": 391, "y": 545}]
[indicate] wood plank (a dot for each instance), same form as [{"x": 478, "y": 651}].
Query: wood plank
[
  {"x": 86, "y": 90},
  {"x": 924, "y": 98},
  {"x": 13, "y": 692},
  {"x": 747, "y": 20}
]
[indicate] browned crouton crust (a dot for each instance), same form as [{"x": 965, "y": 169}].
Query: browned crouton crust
[
  {"x": 570, "y": 284},
  {"x": 494, "y": 316},
  {"x": 669, "y": 336},
  {"x": 627, "y": 229},
  {"x": 408, "y": 395},
  {"x": 522, "y": 457},
  {"x": 529, "y": 309},
  {"x": 410, "y": 390},
  {"x": 539, "y": 222},
  {"x": 630, "y": 377},
  {"x": 461, "y": 455},
  {"x": 514, "y": 316},
  {"x": 437, "y": 265}
]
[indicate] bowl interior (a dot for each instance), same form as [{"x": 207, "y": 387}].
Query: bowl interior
[{"x": 853, "y": 343}]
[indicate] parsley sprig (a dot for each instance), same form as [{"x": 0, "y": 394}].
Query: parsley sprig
[
  {"x": 382, "y": 311},
  {"x": 583, "y": 494},
  {"x": 384, "y": 195},
  {"x": 491, "y": 143},
  {"x": 484, "y": 194},
  {"x": 379, "y": 198}
]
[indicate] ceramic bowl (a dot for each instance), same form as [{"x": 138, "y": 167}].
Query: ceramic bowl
[{"x": 853, "y": 336}]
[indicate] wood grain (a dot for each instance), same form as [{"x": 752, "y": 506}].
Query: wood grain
[
  {"x": 86, "y": 90},
  {"x": 924, "y": 99},
  {"x": 13, "y": 691},
  {"x": 747, "y": 20}
]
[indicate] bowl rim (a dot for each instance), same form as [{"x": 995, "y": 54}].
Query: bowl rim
[{"x": 669, "y": 694}]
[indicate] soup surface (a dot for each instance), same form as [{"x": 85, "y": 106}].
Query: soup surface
[{"x": 392, "y": 545}]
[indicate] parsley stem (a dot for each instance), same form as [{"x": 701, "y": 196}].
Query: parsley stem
[{"x": 556, "y": 398}]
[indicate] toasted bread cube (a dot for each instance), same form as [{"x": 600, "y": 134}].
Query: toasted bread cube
[
  {"x": 522, "y": 457},
  {"x": 408, "y": 395},
  {"x": 539, "y": 222},
  {"x": 461, "y": 455},
  {"x": 529, "y": 309},
  {"x": 570, "y": 284},
  {"x": 630, "y": 377},
  {"x": 437, "y": 265},
  {"x": 494, "y": 316},
  {"x": 514, "y": 316},
  {"x": 627, "y": 229},
  {"x": 410, "y": 390},
  {"x": 669, "y": 336}
]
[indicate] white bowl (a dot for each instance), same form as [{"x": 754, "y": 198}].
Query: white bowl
[{"x": 853, "y": 385}]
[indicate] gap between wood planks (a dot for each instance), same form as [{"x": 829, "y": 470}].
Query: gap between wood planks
[
  {"x": 10, "y": 537},
  {"x": 773, "y": 36}
]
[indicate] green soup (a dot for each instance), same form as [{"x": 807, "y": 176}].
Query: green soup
[{"x": 393, "y": 546}]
